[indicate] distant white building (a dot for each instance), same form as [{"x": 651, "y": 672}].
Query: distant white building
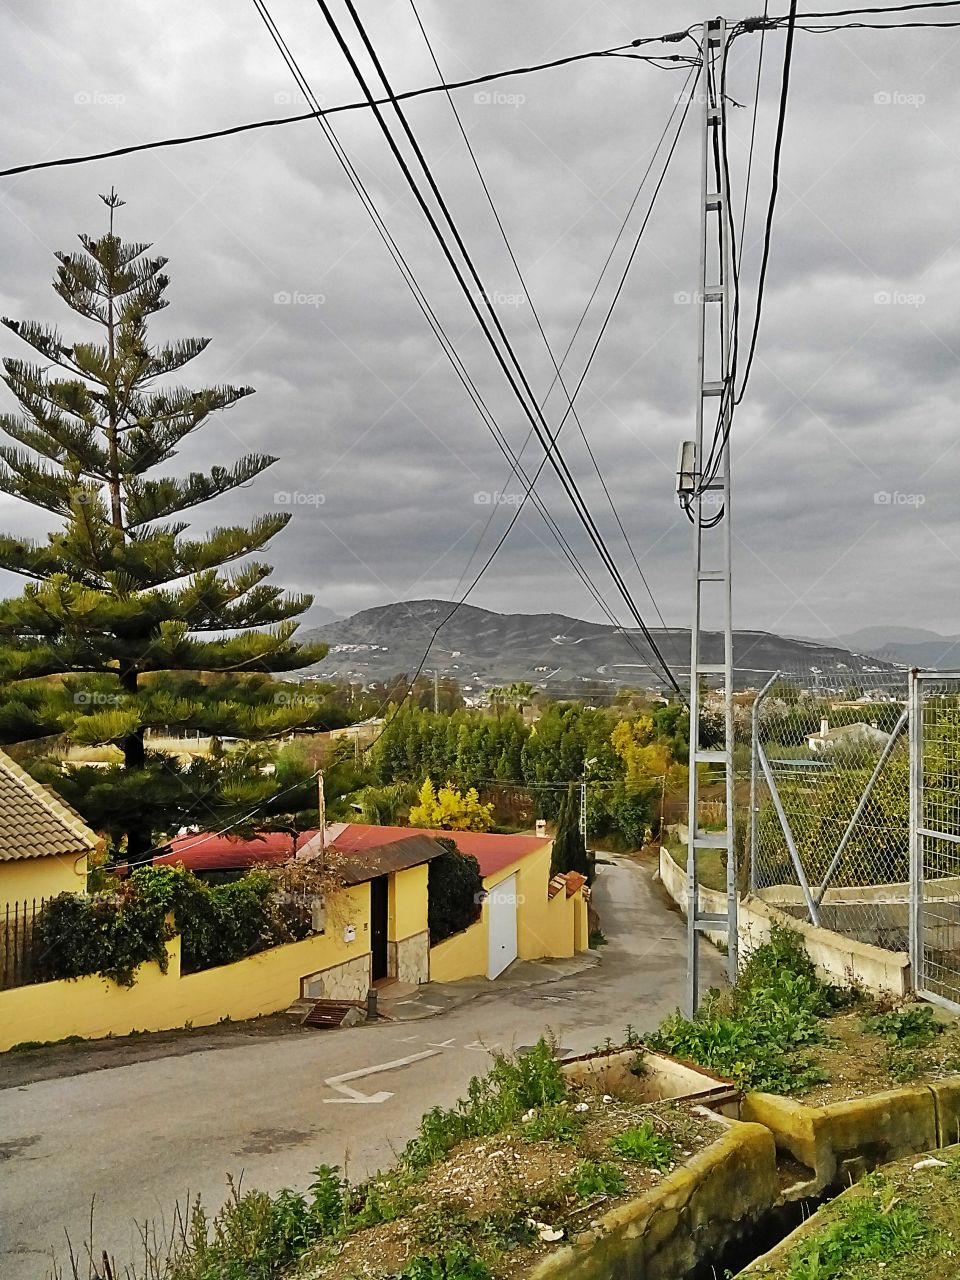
[{"x": 858, "y": 734}]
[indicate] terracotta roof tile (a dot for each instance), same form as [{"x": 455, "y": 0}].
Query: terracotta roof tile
[
  {"x": 34, "y": 821},
  {"x": 575, "y": 881}
]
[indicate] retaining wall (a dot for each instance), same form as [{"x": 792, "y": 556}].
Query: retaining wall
[{"x": 838, "y": 958}]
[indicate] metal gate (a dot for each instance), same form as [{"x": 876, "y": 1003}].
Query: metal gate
[{"x": 935, "y": 835}]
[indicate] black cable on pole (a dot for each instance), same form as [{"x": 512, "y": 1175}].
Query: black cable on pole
[
  {"x": 448, "y": 348},
  {"x": 558, "y": 375},
  {"x": 512, "y": 370},
  {"x": 277, "y": 121},
  {"x": 774, "y": 189}
]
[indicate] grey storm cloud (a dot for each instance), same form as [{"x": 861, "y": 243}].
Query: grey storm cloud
[{"x": 383, "y": 460}]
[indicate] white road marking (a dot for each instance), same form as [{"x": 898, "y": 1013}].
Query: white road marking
[
  {"x": 354, "y": 1095},
  {"x": 484, "y": 1048},
  {"x": 443, "y": 1044}
]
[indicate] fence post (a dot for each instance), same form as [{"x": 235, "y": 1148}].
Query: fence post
[
  {"x": 754, "y": 748},
  {"x": 916, "y": 841}
]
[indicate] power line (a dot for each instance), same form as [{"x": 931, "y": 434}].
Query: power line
[
  {"x": 449, "y": 350},
  {"x": 558, "y": 376},
  {"x": 279, "y": 121},
  {"x": 512, "y": 369}
]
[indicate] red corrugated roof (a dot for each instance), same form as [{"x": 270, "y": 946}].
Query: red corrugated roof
[
  {"x": 211, "y": 852},
  {"x": 492, "y": 851}
]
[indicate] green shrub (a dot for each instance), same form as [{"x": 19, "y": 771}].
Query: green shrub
[
  {"x": 454, "y": 892},
  {"x": 494, "y": 1102},
  {"x": 113, "y": 933},
  {"x": 643, "y": 1144},
  {"x": 596, "y": 1178},
  {"x": 868, "y": 1231},
  {"x": 757, "y": 1032},
  {"x": 914, "y": 1027}
]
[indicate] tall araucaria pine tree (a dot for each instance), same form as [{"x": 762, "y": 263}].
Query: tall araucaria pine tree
[{"x": 122, "y": 602}]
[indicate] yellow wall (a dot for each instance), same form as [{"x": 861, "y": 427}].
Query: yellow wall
[
  {"x": 545, "y": 927},
  {"x": 23, "y": 879},
  {"x": 92, "y": 1007},
  {"x": 407, "y": 903},
  {"x": 464, "y": 955}
]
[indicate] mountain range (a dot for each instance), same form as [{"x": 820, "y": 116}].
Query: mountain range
[{"x": 480, "y": 648}]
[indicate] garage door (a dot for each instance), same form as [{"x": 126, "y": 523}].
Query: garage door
[{"x": 502, "y": 920}]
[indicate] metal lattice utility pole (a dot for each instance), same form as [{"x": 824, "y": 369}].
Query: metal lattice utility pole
[{"x": 703, "y": 485}]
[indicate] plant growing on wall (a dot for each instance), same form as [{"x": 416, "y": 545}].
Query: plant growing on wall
[{"x": 454, "y": 892}]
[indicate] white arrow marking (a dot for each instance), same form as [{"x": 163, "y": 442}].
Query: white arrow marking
[
  {"x": 354, "y": 1095},
  {"x": 443, "y": 1044}
]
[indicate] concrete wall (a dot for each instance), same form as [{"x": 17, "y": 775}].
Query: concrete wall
[
  {"x": 93, "y": 1007},
  {"x": 838, "y": 959},
  {"x": 26, "y": 879}
]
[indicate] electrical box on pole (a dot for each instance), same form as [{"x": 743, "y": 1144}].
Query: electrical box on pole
[{"x": 703, "y": 488}]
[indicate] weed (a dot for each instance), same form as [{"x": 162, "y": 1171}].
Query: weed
[
  {"x": 644, "y": 1145},
  {"x": 914, "y": 1027},
  {"x": 757, "y": 1033},
  {"x": 596, "y": 1178},
  {"x": 597, "y": 938},
  {"x": 493, "y": 1103},
  {"x": 456, "y": 1263},
  {"x": 553, "y": 1124},
  {"x": 870, "y": 1230}
]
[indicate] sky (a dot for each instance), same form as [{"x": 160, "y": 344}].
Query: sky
[{"x": 845, "y": 448}]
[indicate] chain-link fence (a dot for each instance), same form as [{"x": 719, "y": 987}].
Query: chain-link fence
[
  {"x": 830, "y": 801},
  {"x": 935, "y": 822}
]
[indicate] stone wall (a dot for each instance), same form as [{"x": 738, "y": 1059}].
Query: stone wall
[
  {"x": 409, "y": 959},
  {"x": 347, "y": 981}
]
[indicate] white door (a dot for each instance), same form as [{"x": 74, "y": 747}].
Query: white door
[{"x": 502, "y": 926}]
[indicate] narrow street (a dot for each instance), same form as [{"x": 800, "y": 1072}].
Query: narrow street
[{"x": 141, "y": 1135}]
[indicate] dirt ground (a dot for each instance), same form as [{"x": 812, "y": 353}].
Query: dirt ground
[
  {"x": 501, "y": 1194},
  {"x": 860, "y": 1062}
]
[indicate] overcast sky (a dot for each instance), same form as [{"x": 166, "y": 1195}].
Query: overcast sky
[{"x": 854, "y": 393}]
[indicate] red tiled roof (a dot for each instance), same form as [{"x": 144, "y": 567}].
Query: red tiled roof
[
  {"x": 211, "y": 852},
  {"x": 492, "y": 851}
]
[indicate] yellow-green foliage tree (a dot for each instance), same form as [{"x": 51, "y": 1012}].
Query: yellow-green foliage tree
[
  {"x": 644, "y": 756},
  {"x": 447, "y": 809}
]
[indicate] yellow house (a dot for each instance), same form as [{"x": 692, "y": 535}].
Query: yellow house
[{"x": 44, "y": 845}]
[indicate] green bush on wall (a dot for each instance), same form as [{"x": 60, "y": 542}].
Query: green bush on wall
[{"x": 113, "y": 932}]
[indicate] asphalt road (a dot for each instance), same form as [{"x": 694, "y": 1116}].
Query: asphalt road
[{"x": 140, "y": 1136}]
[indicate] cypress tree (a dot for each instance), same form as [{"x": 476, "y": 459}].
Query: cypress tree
[{"x": 119, "y": 593}]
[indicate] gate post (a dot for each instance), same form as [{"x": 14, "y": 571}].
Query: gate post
[{"x": 916, "y": 840}]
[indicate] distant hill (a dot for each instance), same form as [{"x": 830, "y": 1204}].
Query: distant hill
[
  {"x": 907, "y": 646},
  {"x": 480, "y": 648}
]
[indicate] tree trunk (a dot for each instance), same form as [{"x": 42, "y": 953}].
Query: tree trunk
[{"x": 140, "y": 834}]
